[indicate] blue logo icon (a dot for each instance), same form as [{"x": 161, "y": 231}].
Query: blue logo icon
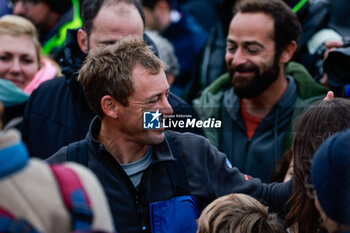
[{"x": 151, "y": 120}]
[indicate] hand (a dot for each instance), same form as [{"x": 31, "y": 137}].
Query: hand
[
  {"x": 329, "y": 96},
  {"x": 331, "y": 45}
]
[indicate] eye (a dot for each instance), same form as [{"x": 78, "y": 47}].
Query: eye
[
  {"x": 107, "y": 43},
  {"x": 154, "y": 100},
  {"x": 253, "y": 49},
  {"x": 231, "y": 48},
  {"x": 4, "y": 58},
  {"x": 27, "y": 60}
]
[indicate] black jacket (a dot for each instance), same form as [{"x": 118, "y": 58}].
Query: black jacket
[
  {"x": 57, "y": 112},
  {"x": 207, "y": 172}
]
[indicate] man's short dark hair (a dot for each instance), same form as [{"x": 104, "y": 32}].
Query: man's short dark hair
[
  {"x": 91, "y": 8},
  {"x": 286, "y": 24}
]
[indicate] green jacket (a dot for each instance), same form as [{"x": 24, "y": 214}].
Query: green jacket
[{"x": 208, "y": 105}]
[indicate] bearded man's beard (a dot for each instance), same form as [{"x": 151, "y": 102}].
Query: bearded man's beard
[{"x": 253, "y": 87}]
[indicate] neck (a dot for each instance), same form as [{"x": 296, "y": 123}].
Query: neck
[
  {"x": 119, "y": 145},
  {"x": 261, "y": 105}
]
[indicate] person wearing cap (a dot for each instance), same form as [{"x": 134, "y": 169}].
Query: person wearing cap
[
  {"x": 52, "y": 19},
  {"x": 330, "y": 176}
]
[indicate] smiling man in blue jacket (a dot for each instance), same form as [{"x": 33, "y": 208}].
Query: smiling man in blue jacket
[
  {"x": 57, "y": 112},
  {"x": 154, "y": 181}
]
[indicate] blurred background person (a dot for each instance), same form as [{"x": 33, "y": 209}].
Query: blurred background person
[
  {"x": 22, "y": 68},
  {"x": 32, "y": 197},
  {"x": 52, "y": 18},
  {"x": 238, "y": 213},
  {"x": 327, "y": 27},
  {"x": 4, "y": 8},
  {"x": 314, "y": 126},
  {"x": 166, "y": 54},
  {"x": 184, "y": 32},
  {"x": 330, "y": 175}
]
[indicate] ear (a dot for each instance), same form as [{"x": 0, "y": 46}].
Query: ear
[
  {"x": 288, "y": 52},
  {"x": 83, "y": 40},
  {"x": 109, "y": 106}
]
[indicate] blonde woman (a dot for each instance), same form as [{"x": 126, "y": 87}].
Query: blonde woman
[
  {"x": 22, "y": 68},
  {"x": 20, "y": 58}
]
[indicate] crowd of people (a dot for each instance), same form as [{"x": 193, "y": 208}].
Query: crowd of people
[{"x": 147, "y": 116}]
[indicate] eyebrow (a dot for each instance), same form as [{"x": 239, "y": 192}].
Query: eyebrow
[
  {"x": 246, "y": 43},
  {"x": 228, "y": 40},
  {"x": 254, "y": 43}
]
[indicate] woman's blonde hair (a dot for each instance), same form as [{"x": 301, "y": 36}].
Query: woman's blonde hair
[
  {"x": 18, "y": 26},
  {"x": 237, "y": 213}
]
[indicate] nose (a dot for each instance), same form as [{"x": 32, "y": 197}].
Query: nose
[
  {"x": 166, "y": 108},
  {"x": 239, "y": 58},
  {"x": 19, "y": 9},
  {"x": 15, "y": 66}
]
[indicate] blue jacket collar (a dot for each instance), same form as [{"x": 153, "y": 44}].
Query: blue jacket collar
[{"x": 161, "y": 152}]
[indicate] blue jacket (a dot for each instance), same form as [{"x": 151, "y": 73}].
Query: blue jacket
[
  {"x": 160, "y": 204},
  {"x": 57, "y": 112}
]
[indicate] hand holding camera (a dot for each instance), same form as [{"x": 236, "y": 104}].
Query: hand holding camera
[{"x": 337, "y": 62}]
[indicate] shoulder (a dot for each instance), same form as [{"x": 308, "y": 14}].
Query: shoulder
[
  {"x": 208, "y": 104},
  {"x": 59, "y": 157},
  {"x": 186, "y": 137},
  {"x": 37, "y": 188},
  {"x": 50, "y": 98},
  {"x": 52, "y": 83},
  {"x": 190, "y": 144},
  {"x": 217, "y": 87},
  {"x": 176, "y": 102},
  {"x": 180, "y": 106},
  {"x": 102, "y": 216},
  {"x": 48, "y": 90},
  {"x": 307, "y": 86}
]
